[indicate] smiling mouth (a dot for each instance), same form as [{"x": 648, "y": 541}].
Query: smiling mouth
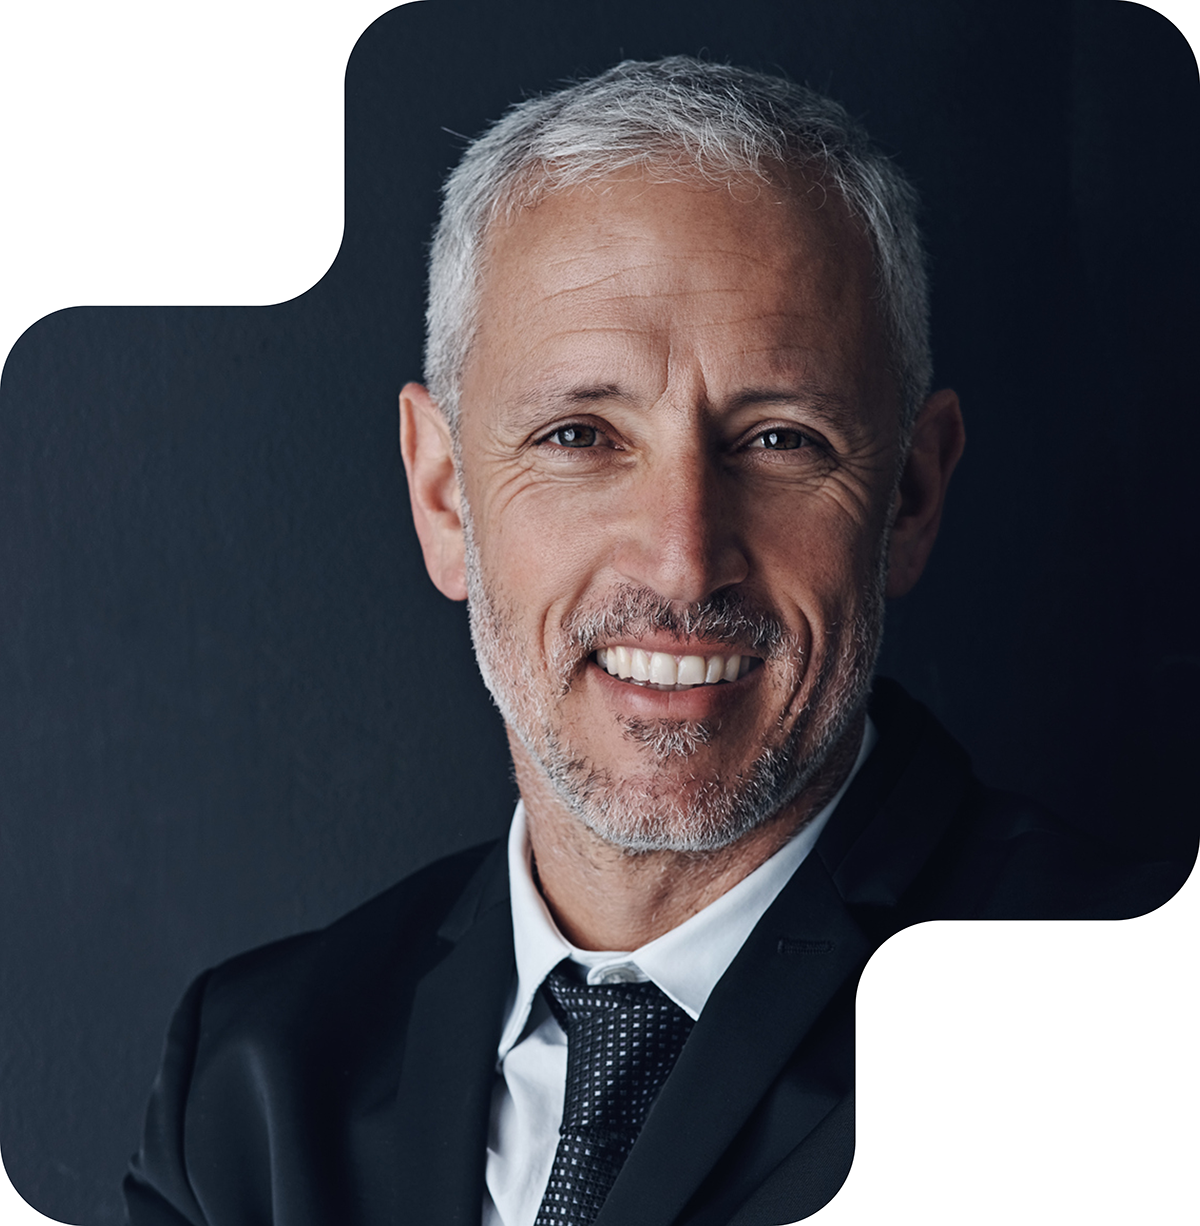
[{"x": 658, "y": 670}]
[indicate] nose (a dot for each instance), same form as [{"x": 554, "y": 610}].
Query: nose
[{"x": 681, "y": 533}]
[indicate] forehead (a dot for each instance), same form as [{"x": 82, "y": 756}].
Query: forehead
[{"x": 747, "y": 280}]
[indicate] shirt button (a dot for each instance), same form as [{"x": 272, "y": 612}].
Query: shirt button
[{"x": 618, "y": 974}]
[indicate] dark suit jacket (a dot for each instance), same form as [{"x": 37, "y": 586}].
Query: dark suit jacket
[{"x": 343, "y": 1077}]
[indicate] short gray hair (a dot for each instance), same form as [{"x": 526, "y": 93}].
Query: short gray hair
[{"x": 671, "y": 119}]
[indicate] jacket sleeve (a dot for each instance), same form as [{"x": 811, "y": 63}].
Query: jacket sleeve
[{"x": 157, "y": 1189}]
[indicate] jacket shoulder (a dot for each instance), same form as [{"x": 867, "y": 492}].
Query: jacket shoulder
[
  {"x": 1009, "y": 857},
  {"x": 919, "y": 836},
  {"x": 390, "y": 933}
]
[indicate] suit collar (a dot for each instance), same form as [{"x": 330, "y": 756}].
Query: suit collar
[
  {"x": 899, "y": 807},
  {"x": 486, "y": 891}
]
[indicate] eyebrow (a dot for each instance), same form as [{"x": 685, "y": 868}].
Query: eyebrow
[
  {"x": 828, "y": 407},
  {"x": 539, "y": 404}
]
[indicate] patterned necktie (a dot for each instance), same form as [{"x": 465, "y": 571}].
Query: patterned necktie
[{"x": 622, "y": 1041}]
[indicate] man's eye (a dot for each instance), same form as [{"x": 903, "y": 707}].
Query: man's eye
[
  {"x": 574, "y": 436},
  {"x": 781, "y": 440}
]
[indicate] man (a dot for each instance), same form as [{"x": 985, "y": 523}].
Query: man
[{"x": 677, "y": 445}]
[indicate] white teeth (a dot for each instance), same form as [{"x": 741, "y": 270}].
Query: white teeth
[
  {"x": 691, "y": 670},
  {"x": 665, "y": 671},
  {"x": 639, "y": 662}
]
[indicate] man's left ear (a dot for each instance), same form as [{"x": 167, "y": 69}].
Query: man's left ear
[{"x": 937, "y": 443}]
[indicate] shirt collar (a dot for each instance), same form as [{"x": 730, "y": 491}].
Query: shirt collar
[{"x": 686, "y": 962}]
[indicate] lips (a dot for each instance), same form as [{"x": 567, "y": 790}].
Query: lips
[{"x": 665, "y": 671}]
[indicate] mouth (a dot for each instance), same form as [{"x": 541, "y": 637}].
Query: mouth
[{"x": 660, "y": 670}]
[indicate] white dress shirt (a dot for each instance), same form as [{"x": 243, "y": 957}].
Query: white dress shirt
[{"x": 685, "y": 963}]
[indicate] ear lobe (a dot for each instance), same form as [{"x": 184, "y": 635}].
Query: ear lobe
[
  {"x": 433, "y": 490},
  {"x": 937, "y": 444}
]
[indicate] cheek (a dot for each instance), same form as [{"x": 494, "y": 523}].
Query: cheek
[
  {"x": 540, "y": 559},
  {"x": 552, "y": 549},
  {"x": 815, "y": 552}
]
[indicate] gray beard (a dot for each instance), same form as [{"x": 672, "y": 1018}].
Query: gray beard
[{"x": 647, "y": 813}]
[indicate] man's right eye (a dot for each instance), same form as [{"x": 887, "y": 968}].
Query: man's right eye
[{"x": 576, "y": 435}]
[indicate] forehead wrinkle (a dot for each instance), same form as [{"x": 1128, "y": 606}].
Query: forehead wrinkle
[
  {"x": 596, "y": 252},
  {"x": 550, "y": 294},
  {"x": 764, "y": 312},
  {"x": 641, "y": 251},
  {"x": 732, "y": 283},
  {"x": 783, "y": 326}
]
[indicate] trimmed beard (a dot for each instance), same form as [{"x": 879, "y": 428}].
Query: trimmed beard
[{"x": 645, "y": 813}]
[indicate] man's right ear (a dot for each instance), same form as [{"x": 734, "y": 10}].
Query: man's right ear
[{"x": 433, "y": 490}]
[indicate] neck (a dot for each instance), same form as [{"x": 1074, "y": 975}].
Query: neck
[{"x": 605, "y": 897}]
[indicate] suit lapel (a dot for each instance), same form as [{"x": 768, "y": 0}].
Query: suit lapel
[
  {"x": 805, "y": 951},
  {"x": 450, "y": 1057}
]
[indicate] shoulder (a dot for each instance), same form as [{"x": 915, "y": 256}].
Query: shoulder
[
  {"x": 387, "y": 940},
  {"x": 273, "y": 1052},
  {"x": 1008, "y": 857},
  {"x": 922, "y": 834}
]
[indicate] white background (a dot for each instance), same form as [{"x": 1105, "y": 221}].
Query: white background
[{"x": 153, "y": 152}]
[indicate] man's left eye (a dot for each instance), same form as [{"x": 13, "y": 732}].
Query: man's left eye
[
  {"x": 574, "y": 436},
  {"x": 780, "y": 440}
]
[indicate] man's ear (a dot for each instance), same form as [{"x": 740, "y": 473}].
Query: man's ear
[
  {"x": 433, "y": 490},
  {"x": 937, "y": 443}
]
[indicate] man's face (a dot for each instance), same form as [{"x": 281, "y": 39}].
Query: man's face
[{"x": 678, "y": 447}]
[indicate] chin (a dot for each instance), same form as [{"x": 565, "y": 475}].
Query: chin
[
  {"x": 680, "y": 810},
  {"x": 668, "y": 740}
]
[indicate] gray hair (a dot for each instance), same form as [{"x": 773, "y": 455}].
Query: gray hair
[{"x": 672, "y": 119}]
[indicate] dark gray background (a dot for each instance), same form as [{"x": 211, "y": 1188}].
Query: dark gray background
[{"x": 232, "y": 705}]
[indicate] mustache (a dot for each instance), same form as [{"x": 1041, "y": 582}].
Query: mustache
[{"x": 728, "y": 616}]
